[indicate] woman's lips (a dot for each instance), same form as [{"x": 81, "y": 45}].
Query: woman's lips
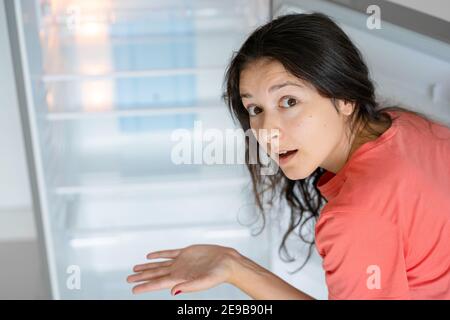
[{"x": 286, "y": 157}]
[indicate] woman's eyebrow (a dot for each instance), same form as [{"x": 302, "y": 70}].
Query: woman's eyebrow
[
  {"x": 246, "y": 95},
  {"x": 275, "y": 87},
  {"x": 284, "y": 84}
]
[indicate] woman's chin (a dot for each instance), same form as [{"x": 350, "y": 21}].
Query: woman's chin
[{"x": 296, "y": 173}]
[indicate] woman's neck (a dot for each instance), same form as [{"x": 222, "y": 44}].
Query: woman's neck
[{"x": 368, "y": 133}]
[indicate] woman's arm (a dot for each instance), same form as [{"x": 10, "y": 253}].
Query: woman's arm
[
  {"x": 260, "y": 283},
  {"x": 200, "y": 267}
]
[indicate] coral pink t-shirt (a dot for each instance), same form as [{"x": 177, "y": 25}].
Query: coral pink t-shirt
[{"x": 385, "y": 231}]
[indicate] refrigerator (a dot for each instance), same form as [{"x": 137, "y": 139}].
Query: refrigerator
[{"x": 102, "y": 85}]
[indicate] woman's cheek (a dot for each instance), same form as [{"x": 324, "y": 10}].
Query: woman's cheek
[{"x": 311, "y": 140}]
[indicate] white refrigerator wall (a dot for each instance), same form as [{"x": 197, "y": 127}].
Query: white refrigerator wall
[{"x": 16, "y": 221}]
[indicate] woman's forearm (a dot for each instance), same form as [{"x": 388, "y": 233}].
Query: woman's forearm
[{"x": 261, "y": 284}]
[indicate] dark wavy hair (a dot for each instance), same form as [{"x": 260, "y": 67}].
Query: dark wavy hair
[{"x": 314, "y": 49}]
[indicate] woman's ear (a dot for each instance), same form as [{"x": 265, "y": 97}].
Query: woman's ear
[{"x": 346, "y": 107}]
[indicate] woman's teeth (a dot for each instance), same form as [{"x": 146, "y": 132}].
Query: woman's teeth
[{"x": 287, "y": 152}]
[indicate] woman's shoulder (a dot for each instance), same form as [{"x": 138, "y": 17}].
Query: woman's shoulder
[{"x": 420, "y": 125}]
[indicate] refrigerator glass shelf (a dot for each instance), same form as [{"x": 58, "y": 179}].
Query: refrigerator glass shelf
[
  {"x": 97, "y": 93},
  {"x": 132, "y": 112},
  {"x": 133, "y": 74},
  {"x": 132, "y": 11},
  {"x": 99, "y": 183},
  {"x": 70, "y": 43}
]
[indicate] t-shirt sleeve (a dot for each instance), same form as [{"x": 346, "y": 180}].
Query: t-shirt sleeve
[{"x": 363, "y": 256}]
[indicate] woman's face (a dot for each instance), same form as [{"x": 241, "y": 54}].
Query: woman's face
[{"x": 306, "y": 122}]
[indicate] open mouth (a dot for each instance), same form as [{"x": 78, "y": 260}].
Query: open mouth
[{"x": 286, "y": 154}]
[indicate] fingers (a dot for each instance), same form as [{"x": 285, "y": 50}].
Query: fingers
[
  {"x": 160, "y": 283},
  {"x": 155, "y": 274},
  {"x": 194, "y": 285},
  {"x": 170, "y": 254},
  {"x": 151, "y": 265},
  {"x": 148, "y": 274}
]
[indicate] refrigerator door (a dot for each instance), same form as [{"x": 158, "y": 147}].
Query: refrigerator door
[{"x": 104, "y": 85}]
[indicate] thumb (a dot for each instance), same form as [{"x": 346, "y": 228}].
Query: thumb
[{"x": 191, "y": 286}]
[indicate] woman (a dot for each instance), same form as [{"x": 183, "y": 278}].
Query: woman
[{"x": 380, "y": 177}]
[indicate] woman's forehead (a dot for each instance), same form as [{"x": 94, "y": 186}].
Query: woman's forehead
[
  {"x": 264, "y": 74},
  {"x": 267, "y": 80}
]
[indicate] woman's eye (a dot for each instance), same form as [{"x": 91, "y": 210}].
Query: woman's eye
[
  {"x": 253, "y": 110},
  {"x": 288, "y": 102}
]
